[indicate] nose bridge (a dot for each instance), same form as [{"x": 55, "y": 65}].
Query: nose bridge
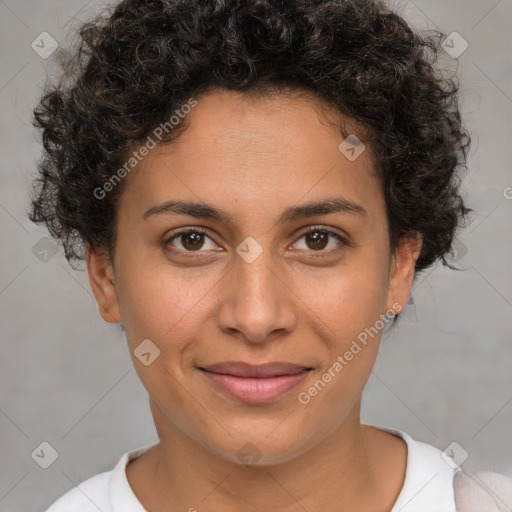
[
  {"x": 256, "y": 301},
  {"x": 258, "y": 277}
]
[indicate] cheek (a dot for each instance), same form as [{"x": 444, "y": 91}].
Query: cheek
[
  {"x": 345, "y": 299},
  {"x": 161, "y": 302},
  {"x": 347, "y": 313}
]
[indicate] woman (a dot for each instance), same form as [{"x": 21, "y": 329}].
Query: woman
[{"x": 254, "y": 186}]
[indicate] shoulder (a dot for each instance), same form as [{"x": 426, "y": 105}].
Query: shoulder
[
  {"x": 428, "y": 483},
  {"x": 482, "y": 490},
  {"x": 108, "y": 491},
  {"x": 88, "y": 496}
]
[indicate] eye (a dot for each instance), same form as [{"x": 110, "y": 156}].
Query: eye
[
  {"x": 190, "y": 239},
  {"x": 318, "y": 238},
  {"x": 193, "y": 240}
]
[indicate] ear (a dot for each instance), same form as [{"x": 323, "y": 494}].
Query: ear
[
  {"x": 101, "y": 277},
  {"x": 402, "y": 271}
]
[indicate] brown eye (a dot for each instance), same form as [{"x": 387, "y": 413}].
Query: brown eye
[
  {"x": 191, "y": 240},
  {"x": 319, "y": 239},
  {"x": 316, "y": 240}
]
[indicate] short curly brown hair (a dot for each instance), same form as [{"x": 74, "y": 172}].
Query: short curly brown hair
[{"x": 138, "y": 64}]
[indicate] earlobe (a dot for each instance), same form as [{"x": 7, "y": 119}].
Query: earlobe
[
  {"x": 102, "y": 279},
  {"x": 403, "y": 270}
]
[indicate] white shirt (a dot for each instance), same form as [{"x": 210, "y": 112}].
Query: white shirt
[{"x": 428, "y": 484}]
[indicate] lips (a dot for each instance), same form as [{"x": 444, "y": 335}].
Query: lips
[
  {"x": 255, "y": 384},
  {"x": 247, "y": 370}
]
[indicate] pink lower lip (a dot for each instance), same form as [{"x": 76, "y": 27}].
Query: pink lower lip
[{"x": 256, "y": 390}]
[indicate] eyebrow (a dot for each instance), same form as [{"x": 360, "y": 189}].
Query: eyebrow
[{"x": 208, "y": 211}]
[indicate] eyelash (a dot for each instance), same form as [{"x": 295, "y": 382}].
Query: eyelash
[{"x": 343, "y": 241}]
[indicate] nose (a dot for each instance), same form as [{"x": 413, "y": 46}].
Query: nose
[{"x": 257, "y": 304}]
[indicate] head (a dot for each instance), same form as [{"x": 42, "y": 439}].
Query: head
[{"x": 322, "y": 154}]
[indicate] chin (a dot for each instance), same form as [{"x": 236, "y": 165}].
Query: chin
[{"x": 260, "y": 446}]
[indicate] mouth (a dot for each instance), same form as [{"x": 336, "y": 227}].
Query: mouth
[{"x": 255, "y": 384}]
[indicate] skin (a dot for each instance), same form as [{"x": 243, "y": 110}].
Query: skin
[{"x": 252, "y": 158}]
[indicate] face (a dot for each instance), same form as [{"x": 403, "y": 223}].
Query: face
[{"x": 260, "y": 282}]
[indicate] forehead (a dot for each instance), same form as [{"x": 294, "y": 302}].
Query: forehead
[{"x": 256, "y": 151}]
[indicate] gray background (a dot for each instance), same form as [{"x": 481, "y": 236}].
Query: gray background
[{"x": 444, "y": 374}]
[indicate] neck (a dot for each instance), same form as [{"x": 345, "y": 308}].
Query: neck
[{"x": 345, "y": 465}]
